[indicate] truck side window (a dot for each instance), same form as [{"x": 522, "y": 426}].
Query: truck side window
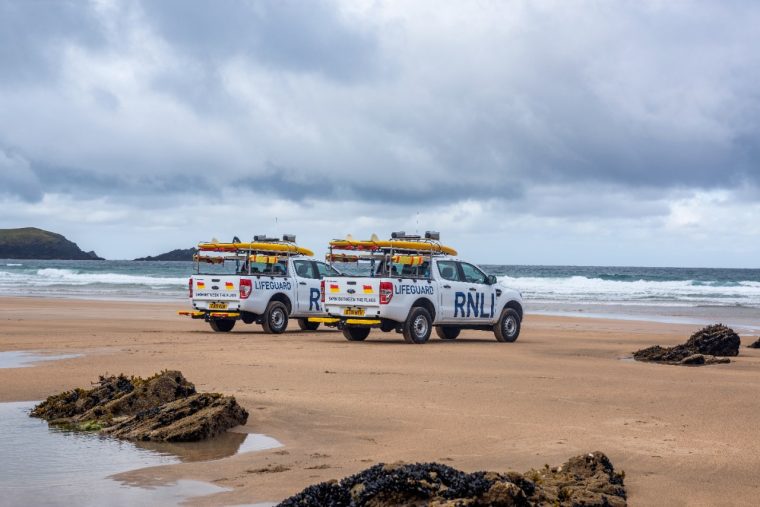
[
  {"x": 472, "y": 274},
  {"x": 325, "y": 270},
  {"x": 279, "y": 269},
  {"x": 304, "y": 269},
  {"x": 448, "y": 270}
]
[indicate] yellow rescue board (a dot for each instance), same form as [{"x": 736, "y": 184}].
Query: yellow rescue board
[
  {"x": 259, "y": 247},
  {"x": 422, "y": 246}
]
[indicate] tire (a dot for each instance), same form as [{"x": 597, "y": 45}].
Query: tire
[
  {"x": 387, "y": 326},
  {"x": 356, "y": 334},
  {"x": 507, "y": 329},
  {"x": 275, "y": 318},
  {"x": 305, "y": 325},
  {"x": 222, "y": 325},
  {"x": 447, "y": 332},
  {"x": 418, "y": 326}
]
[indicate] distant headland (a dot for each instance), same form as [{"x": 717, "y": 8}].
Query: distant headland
[
  {"x": 180, "y": 254},
  {"x": 34, "y": 243}
]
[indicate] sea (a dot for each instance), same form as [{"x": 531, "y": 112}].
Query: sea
[{"x": 679, "y": 295}]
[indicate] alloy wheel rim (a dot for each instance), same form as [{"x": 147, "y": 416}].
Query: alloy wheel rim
[
  {"x": 510, "y": 326},
  {"x": 277, "y": 318},
  {"x": 420, "y": 326}
]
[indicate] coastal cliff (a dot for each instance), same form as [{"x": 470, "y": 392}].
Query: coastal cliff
[{"x": 34, "y": 243}]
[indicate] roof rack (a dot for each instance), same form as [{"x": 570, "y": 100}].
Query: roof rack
[{"x": 261, "y": 243}]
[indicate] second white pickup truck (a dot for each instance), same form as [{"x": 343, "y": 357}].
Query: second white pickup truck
[{"x": 414, "y": 285}]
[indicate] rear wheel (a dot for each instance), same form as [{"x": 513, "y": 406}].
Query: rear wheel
[
  {"x": 305, "y": 325},
  {"x": 447, "y": 332},
  {"x": 222, "y": 325},
  {"x": 507, "y": 329},
  {"x": 356, "y": 334},
  {"x": 275, "y": 318},
  {"x": 418, "y": 326}
]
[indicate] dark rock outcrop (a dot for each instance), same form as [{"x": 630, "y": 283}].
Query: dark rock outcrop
[
  {"x": 755, "y": 344},
  {"x": 164, "y": 407},
  {"x": 709, "y": 345},
  {"x": 197, "y": 417},
  {"x": 180, "y": 254},
  {"x": 588, "y": 480},
  {"x": 33, "y": 243}
]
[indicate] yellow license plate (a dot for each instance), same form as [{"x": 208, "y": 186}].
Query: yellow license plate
[
  {"x": 217, "y": 306},
  {"x": 354, "y": 312}
]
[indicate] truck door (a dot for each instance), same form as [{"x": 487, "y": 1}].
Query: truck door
[
  {"x": 479, "y": 295},
  {"x": 307, "y": 287},
  {"x": 452, "y": 290}
]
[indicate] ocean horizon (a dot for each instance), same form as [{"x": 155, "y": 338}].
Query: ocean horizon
[{"x": 689, "y": 295}]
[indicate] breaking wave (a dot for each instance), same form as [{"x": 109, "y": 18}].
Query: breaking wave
[{"x": 600, "y": 290}]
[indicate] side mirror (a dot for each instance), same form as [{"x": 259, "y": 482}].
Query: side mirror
[{"x": 492, "y": 280}]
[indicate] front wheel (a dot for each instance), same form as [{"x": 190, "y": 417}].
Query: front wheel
[
  {"x": 222, "y": 325},
  {"x": 447, "y": 332},
  {"x": 305, "y": 325},
  {"x": 275, "y": 318},
  {"x": 417, "y": 326},
  {"x": 507, "y": 329},
  {"x": 356, "y": 334}
]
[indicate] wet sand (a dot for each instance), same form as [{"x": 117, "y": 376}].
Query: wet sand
[{"x": 683, "y": 436}]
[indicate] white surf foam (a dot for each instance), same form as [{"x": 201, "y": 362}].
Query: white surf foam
[
  {"x": 580, "y": 288},
  {"x": 56, "y": 276}
]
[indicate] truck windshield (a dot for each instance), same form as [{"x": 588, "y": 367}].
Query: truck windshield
[
  {"x": 403, "y": 270},
  {"x": 263, "y": 268}
]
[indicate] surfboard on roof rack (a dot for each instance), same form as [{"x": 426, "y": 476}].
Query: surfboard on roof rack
[
  {"x": 400, "y": 241},
  {"x": 278, "y": 247}
]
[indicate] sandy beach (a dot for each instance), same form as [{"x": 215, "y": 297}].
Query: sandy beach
[{"x": 683, "y": 436}]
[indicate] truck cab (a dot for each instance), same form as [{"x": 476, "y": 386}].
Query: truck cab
[
  {"x": 267, "y": 281},
  {"x": 412, "y": 285}
]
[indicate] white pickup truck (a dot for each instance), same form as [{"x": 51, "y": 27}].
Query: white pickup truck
[
  {"x": 272, "y": 281},
  {"x": 413, "y": 286}
]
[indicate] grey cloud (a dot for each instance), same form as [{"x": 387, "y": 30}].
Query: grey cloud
[
  {"x": 637, "y": 99},
  {"x": 17, "y": 178},
  {"x": 289, "y": 35},
  {"x": 32, "y": 34}
]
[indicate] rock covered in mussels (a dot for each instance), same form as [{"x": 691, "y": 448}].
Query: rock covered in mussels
[
  {"x": 710, "y": 345},
  {"x": 164, "y": 407},
  {"x": 588, "y": 480}
]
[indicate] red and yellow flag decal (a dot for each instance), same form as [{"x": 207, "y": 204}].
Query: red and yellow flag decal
[
  {"x": 368, "y": 289},
  {"x": 229, "y": 285},
  {"x": 334, "y": 287},
  {"x": 200, "y": 284}
]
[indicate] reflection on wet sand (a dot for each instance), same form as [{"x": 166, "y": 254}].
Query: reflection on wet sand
[
  {"x": 222, "y": 446},
  {"x": 48, "y": 466},
  {"x": 25, "y": 358}
]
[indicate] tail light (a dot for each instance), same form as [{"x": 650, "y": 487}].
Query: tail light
[
  {"x": 386, "y": 292},
  {"x": 322, "y": 291},
  {"x": 245, "y": 288},
  {"x": 190, "y": 288}
]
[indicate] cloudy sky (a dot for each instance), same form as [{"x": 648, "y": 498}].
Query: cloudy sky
[{"x": 530, "y": 132}]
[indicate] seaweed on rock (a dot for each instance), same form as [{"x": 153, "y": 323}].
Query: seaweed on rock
[
  {"x": 164, "y": 407},
  {"x": 583, "y": 480},
  {"x": 709, "y": 345}
]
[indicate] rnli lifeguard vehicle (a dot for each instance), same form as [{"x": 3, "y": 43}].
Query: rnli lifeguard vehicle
[
  {"x": 411, "y": 284},
  {"x": 266, "y": 281}
]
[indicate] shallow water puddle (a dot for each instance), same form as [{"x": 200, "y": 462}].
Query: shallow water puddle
[
  {"x": 42, "y": 465},
  {"x": 25, "y": 358}
]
